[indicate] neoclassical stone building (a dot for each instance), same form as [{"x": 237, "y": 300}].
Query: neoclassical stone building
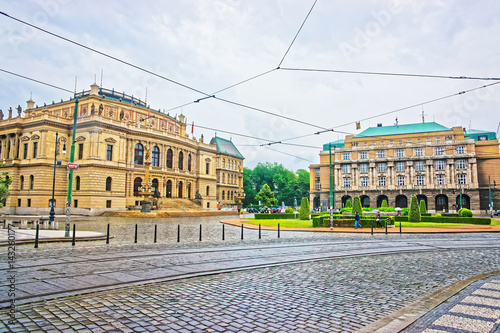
[
  {"x": 392, "y": 163},
  {"x": 114, "y": 134}
]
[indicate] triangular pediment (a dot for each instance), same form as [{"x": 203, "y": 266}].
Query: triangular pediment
[
  {"x": 110, "y": 140},
  {"x": 80, "y": 138},
  {"x": 25, "y": 138},
  {"x": 35, "y": 137}
]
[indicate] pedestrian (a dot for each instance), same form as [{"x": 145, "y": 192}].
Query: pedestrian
[
  {"x": 378, "y": 220},
  {"x": 356, "y": 221}
]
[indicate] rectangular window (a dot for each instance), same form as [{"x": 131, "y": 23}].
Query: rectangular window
[
  {"x": 347, "y": 182},
  {"x": 346, "y": 168},
  {"x": 317, "y": 172},
  {"x": 462, "y": 179},
  {"x": 400, "y": 142},
  {"x": 401, "y": 180},
  {"x": 109, "y": 153},
  {"x": 381, "y": 181},
  {"x": 382, "y": 143},
  {"x": 75, "y": 203},
  {"x": 35, "y": 149},
  {"x": 419, "y": 166},
  {"x": 381, "y": 167},
  {"x": 25, "y": 151},
  {"x": 460, "y": 150},
  {"x": 80, "y": 151},
  {"x": 439, "y": 165},
  {"x": 440, "y": 179},
  {"x": 29, "y": 203},
  {"x": 363, "y": 168},
  {"x": 365, "y": 144},
  {"x": 363, "y": 155},
  {"x": 207, "y": 168},
  {"x": 409, "y": 140},
  {"x": 346, "y": 156},
  {"x": 391, "y": 142},
  {"x": 428, "y": 139},
  {"x": 381, "y": 154},
  {"x": 318, "y": 185},
  {"x": 418, "y": 140},
  {"x": 439, "y": 151},
  {"x": 460, "y": 164},
  {"x": 108, "y": 203},
  {"x": 420, "y": 180},
  {"x": 364, "y": 182},
  {"x": 419, "y": 152},
  {"x": 400, "y": 153},
  {"x": 18, "y": 202},
  {"x": 400, "y": 166}
]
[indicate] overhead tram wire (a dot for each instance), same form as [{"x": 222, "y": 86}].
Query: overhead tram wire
[
  {"x": 301, "y": 158},
  {"x": 37, "y": 81}
]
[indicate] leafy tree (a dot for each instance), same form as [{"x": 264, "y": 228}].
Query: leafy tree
[
  {"x": 266, "y": 196},
  {"x": 5, "y": 181},
  {"x": 289, "y": 210},
  {"x": 384, "y": 203},
  {"x": 423, "y": 208},
  {"x": 356, "y": 206},
  {"x": 248, "y": 188},
  {"x": 414, "y": 213},
  {"x": 305, "y": 210},
  {"x": 348, "y": 204}
]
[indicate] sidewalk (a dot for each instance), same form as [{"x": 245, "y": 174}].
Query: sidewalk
[{"x": 23, "y": 236}]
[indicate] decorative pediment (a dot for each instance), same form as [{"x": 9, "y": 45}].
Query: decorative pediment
[
  {"x": 80, "y": 138},
  {"x": 110, "y": 140},
  {"x": 25, "y": 138},
  {"x": 208, "y": 160},
  {"x": 35, "y": 137}
]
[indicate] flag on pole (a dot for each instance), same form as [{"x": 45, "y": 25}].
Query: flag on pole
[
  {"x": 192, "y": 128},
  {"x": 131, "y": 101},
  {"x": 186, "y": 124},
  {"x": 358, "y": 125}
]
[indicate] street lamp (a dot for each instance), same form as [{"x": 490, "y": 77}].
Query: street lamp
[{"x": 56, "y": 152}]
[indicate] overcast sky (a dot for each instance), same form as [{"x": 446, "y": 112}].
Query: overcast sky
[{"x": 211, "y": 45}]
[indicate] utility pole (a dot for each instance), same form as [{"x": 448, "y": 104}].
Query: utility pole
[
  {"x": 331, "y": 189},
  {"x": 70, "y": 176}
]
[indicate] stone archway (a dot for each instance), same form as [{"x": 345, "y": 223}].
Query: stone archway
[
  {"x": 168, "y": 192},
  {"x": 441, "y": 203},
  {"x": 381, "y": 198},
  {"x": 344, "y": 200},
  {"x": 365, "y": 201},
  {"x": 465, "y": 201},
  {"x": 401, "y": 201}
]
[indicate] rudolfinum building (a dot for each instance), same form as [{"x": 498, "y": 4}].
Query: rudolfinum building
[
  {"x": 115, "y": 135},
  {"x": 392, "y": 163}
]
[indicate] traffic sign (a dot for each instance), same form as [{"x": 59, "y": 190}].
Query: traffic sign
[{"x": 73, "y": 166}]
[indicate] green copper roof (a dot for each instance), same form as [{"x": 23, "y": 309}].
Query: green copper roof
[
  {"x": 402, "y": 129},
  {"x": 226, "y": 147},
  {"x": 479, "y": 135},
  {"x": 335, "y": 144}
]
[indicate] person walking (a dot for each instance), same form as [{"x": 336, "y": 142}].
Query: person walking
[
  {"x": 378, "y": 220},
  {"x": 357, "y": 218}
]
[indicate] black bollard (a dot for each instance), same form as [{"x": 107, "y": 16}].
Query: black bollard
[
  {"x": 278, "y": 230},
  {"x": 36, "y": 235},
  {"x": 74, "y": 234},
  {"x": 242, "y": 231},
  {"x": 178, "y": 233},
  {"x": 156, "y": 230},
  {"x": 107, "y": 235},
  {"x": 223, "y": 231},
  {"x": 372, "y": 228},
  {"x": 135, "y": 237},
  {"x": 400, "y": 232},
  {"x": 259, "y": 231},
  {"x": 386, "y": 226},
  {"x": 200, "y": 232}
]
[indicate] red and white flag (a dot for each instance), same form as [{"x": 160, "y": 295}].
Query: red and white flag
[{"x": 192, "y": 128}]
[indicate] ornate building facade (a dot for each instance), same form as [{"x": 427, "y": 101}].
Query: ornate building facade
[
  {"x": 439, "y": 165},
  {"x": 115, "y": 133}
]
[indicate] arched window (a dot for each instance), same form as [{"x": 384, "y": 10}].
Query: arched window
[
  {"x": 232, "y": 195},
  {"x": 223, "y": 195},
  {"x": 189, "y": 162},
  {"x": 77, "y": 183},
  {"x": 170, "y": 158},
  {"x": 154, "y": 184},
  {"x": 208, "y": 191},
  {"x": 139, "y": 154},
  {"x": 181, "y": 160},
  {"x": 223, "y": 163},
  {"x": 180, "y": 190},
  {"x": 108, "y": 184},
  {"x": 223, "y": 178},
  {"x": 168, "y": 193},
  {"x": 155, "y": 156},
  {"x": 189, "y": 190},
  {"x": 137, "y": 184},
  {"x": 32, "y": 181},
  {"x": 21, "y": 183}
]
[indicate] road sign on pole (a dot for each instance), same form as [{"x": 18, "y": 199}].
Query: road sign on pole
[{"x": 73, "y": 166}]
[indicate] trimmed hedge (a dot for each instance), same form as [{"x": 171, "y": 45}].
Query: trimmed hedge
[
  {"x": 276, "y": 216},
  {"x": 464, "y": 220},
  {"x": 324, "y": 221}
]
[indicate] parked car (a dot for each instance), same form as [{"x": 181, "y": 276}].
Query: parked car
[{"x": 497, "y": 213}]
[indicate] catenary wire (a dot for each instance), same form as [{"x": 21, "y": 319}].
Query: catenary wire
[
  {"x": 34, "y": 80},
  {"x": 289, "y": 154}
]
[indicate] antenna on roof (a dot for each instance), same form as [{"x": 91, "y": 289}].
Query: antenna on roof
[
  {"x": 470, "y": 124},
  {"x": 146, "y": 100},
  {"x": 397, "y": 122},
  {"x": 101, "y": 77},
  {"x": 423, "y": 114},
  {"x": 76, "y": 77}
]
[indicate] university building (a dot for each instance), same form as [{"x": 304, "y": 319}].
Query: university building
[
  {"x": 115, "y": 134},
  {"x": 439, "y": 165}
]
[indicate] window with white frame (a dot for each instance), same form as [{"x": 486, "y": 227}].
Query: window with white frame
[
  {"x": 400, "y": 142},
  {"x": 318, "y": 185},
  {"x": 439, "y": 165},
  {"x": 461, "y": 178},
  {"x": 346, "y": 156},
  {"x": 363, "y": 155},
  {"x": 438, "y": 139},
  {"x": 439, "y": 151},
  {"x": 365, "y": 144},
  {"x": 460, "y": 150},
  {"x": 347, "y": 182},
  {"x": 346, "y": 168},
  {"x": 381, "y": 181},
  {"x": 420, "y": 180},
  {"x": 364, "y": 181},
  {"x": 419, "y": 152},
  {"x": 381, "y": 153},
  {"x": 400, "y": 166},
  {"x": 363, "y": 168},
  {"x": 317, "y": 172},
  {"x": 439, "y": 179},
  {"x": 381, "y": 167},
  {"x": 391, "y": 142},
  {"x": 382, "y": 143},
  {"x": 419, "y": 140},
  {"x": 409, "y": 140},
  {"x": 460, "y": 164},
  {"x": 419, "y": 166},
  {"x": 400, "y": 153},
  {"x": 428, "y": 139},
  {"x": 401, "y": 180}
]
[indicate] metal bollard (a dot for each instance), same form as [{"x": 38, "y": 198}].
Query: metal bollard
[
  {"x": 74, "y": 234},
  {"x": 372, "y": 228},
  {"x": 386, "y": 226},
  {"x": 400, "y": 232},
  {"x": 36, "y": 235},
  {"x": 156, "y": 230},
  {"x": 135, "y": 237},
  {"x": 178, "y": 233},
  {"x": 223, "y": 232},
  {"x": 242, "y": 231},
  {"x": 200, "y": 232},
  {"x": 278, "y": 230},
  {"x": 107, "y": 235},
  {"x": 259, "y": 232}
]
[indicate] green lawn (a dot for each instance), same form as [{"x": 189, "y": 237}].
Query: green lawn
[
  {"x": 427, "y": 224},
  {"x": 495, "y": 222}
]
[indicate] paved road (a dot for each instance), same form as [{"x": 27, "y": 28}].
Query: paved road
[{"x": 338, "y": 284}]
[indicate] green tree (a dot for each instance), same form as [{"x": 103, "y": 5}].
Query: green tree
[
  {"x": 356, "y": 206},
  {"x": 5, "y": 181},
  {"x": 423, "y": 208},
  {"x": 414, "y": 213},
  {"x": 305, "y": 210},
  {"x": 384, "y": 203},
  {"x": 248, "y": 188},
  {"x": 266, "y": 196},
  {"x": 348, "y": 204}
]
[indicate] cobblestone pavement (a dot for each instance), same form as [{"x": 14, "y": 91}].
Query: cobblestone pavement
[
  {"x": 474, "y": 309},
  {"x": 337, "y": 295}
]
